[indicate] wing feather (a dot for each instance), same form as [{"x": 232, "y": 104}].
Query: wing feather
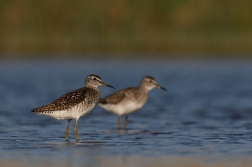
[
  {"x": 116, "y": 97},
  {"x": 65, "y": 101}
]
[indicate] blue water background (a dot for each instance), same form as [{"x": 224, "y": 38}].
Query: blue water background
[{"x": 207, "y": 110}]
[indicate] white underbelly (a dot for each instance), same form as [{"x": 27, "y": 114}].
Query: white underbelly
[
  {"x": 122, "y": 108},
  {"x": 71, "y": 113}
]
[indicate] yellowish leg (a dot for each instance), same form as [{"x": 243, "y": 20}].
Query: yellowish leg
[
  {"x": 126, "y": 121},
  {"x": 69, "y": 120},
  {"x": 75, "y": 130},
  {"x": 118, "y": 123}
]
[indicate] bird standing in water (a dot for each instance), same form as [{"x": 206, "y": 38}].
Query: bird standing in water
[
  {"x": 128, "y": 100},
  {"x": 74, "y": 104}
]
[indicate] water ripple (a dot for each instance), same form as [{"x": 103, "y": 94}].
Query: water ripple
[{"x": 207, "y": 110}]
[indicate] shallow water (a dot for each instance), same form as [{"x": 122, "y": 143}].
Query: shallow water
[{"x": 206, "y": 112}]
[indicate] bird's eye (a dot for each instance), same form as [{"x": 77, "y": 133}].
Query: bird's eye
[
  {"x": 150, "y": 81},
  {"x": 94, "y": 79}
]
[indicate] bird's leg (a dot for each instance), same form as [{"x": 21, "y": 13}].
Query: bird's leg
[
  {"x": 118, "y": 123},
  {"x": 126, "y": 122},
  {"x": 75, "y": 130},
  {"x": 69, "y": 120}
]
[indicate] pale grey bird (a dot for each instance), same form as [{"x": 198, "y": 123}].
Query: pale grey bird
[{"x": 128, "y": 100}]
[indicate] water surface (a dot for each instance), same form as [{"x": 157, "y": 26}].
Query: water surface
[{"x": 206, "y": 112}]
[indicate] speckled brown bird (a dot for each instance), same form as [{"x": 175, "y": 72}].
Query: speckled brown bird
[
  {"x": 74, "y": 104},
  {"x": 130, "y": 99}
]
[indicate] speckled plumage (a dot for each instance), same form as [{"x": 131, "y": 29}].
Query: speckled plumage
[
  {"x": 74, "y": 104},
  {"x": 130, "y": 99},
  {"x": 70, "y": 99}
]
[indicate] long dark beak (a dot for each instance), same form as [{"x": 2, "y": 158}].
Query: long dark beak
[
  {"x": 105, "y": 84},
  {"x": 160, "y": 87}
]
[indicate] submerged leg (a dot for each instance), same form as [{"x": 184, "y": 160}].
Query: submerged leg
[
  {"x": 69, "y": 120},
  {"x": 118, "y": 123},
  {"x": 75, "y": 129},
  {"x": 126, "y": 121}
]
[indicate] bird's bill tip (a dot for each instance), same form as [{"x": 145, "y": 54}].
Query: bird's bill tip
[
  {"x": 161, "y": 87},
  {"x": 105, "y": 84}
]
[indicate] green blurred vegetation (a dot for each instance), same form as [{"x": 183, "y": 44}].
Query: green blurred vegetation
[{"x": 126, "y": 26}]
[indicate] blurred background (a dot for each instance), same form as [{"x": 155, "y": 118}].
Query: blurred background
[
  {"x": 168, "y": 28},
  {"x": 203, "y": 50}
]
